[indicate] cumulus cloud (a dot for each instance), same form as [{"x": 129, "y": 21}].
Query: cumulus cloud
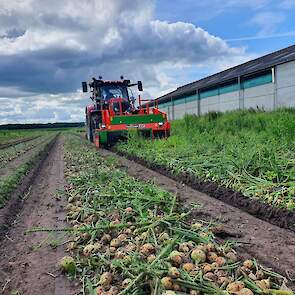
[{"x": 48, "y": 47}]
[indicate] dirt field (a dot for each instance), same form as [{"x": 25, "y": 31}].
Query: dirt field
[{"x": 28, "y": 262}]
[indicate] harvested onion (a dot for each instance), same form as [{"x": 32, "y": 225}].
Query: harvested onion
[
  {"x": 198, "y": 255},
  {"x": 167, "y": 283},
  {"x": 67, "y": 264},
  {"x": 174, "y": 272}
]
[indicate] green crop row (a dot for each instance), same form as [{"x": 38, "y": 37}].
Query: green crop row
[
  {"x": 252, "y": 152},
  {"x": 9, "y": 136},
  {"x": 10, "y": 153},
  {"x": 130, "y": 237}
]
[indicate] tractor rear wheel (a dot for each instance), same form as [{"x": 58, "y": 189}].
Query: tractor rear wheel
[{"x": 90, "y": 130}]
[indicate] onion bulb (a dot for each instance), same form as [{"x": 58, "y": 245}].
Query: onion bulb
[
  {"x": 147, "y": 249},
  {"x": 198, "y": 255},
  {"x": 106, "y": 279},
  {"x": 175, "y": 257},
  {"x": 67, "y": 264},
  {"x": 183, "y": 247},
  {"x": 167, "y": 283},
  {"x": 88, "y": 249},
  {"x": 174, "y": 272},
  {"x": 248, "y": 264},
  {"x": 235, "y": 287},
  {"x": 188, "y": 267}
]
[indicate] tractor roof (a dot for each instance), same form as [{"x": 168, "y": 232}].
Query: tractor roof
[{"x": 95, "y": 82}]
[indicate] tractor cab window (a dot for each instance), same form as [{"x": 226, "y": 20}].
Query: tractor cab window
[{"x": 113, "y": 91}]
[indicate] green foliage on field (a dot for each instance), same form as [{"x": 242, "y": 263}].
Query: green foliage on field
[
  {"x": 11, "y": 136},
  {"x": 249, "y": 151}
]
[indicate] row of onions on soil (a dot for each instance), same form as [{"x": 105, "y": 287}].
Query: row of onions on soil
[
  {"x": 12, "y": 152},
  {"x": 250, "y": 152},
  {"x": 130, "y": 237},
  {"x": 10, "y": 181},
  {"x": 15, "y": 135}
]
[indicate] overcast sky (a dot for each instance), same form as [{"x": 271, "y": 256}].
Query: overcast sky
[{"x": 47, "y": 47}]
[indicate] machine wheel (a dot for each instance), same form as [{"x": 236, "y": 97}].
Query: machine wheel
[
  {"x": 89, "y": 134},
  {"x": 89, "y": 130}
]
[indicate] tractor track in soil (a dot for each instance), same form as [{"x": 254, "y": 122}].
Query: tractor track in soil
[
  {"x": 27, "y": 261},
  {"x": 16, "y": 142},
  {"x": 271, "y": 245}
]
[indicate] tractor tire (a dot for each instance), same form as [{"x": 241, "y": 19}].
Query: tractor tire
[
  {"x": 90, "y": 133},
  {"x": 90, "y": 128}
]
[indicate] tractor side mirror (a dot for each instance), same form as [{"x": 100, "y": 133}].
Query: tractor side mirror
[
  {"x": 139, "y": 84},
  {"x": 84, "y": 87}
]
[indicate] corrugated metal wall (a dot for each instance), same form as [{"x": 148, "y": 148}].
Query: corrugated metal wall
[
  {"x": 269, "y": 90},
  {"x": 285, "y": 85}
]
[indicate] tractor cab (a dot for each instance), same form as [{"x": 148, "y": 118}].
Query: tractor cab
[
  {"x": 111, "y": 93},
  {"x": 116, "y": 95},
  {"x": 113, "y": 112}
]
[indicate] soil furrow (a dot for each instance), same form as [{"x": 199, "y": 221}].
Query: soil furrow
[
  {"x": 12, "y": 165},
  {"x": 277, "y": 216},
  {"x": 17, "y": 198},
  {"x": 6, "y": 145},
  {"x": 273, "y": 246},
  {"x": 28, "y": 261}
]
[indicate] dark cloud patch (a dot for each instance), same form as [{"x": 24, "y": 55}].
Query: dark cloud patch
[
  {"x": 44, "y": 71},
  {"x": 13, "y": 33},
  {"x": 49, "y": 47},
  {"x": 55, "y": 20}
]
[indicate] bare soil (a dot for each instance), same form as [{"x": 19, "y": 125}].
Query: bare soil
[
  {"x": 28, "y": 262},
  {"x": 272, "y": 246}
]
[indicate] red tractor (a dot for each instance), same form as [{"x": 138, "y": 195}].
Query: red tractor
[{"x": 113, "y": 112}]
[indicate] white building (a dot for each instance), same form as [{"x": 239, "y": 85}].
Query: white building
[{"x": 267, "y": 82}]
